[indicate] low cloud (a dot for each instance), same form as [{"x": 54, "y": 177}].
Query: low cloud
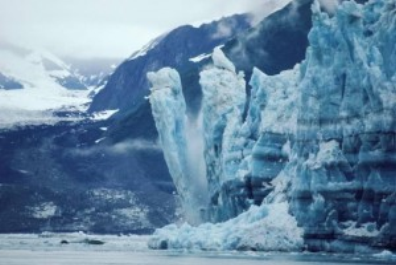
[
  {"x": 122, "y": 148},
  {"x": 100, "y": 28},
  {"x": 329, "y": 6},
  {"x": 12, "y": 118},
  {"x": 134, "y": 145},
  {"x": 223, "y": 30},
  {"x": 261, "y": 9}
]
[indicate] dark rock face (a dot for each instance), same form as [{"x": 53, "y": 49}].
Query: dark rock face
[
  {"x": 71, "y": 82},
  {"x": 127, "y": 85},
  {"x": 9, "y": 83},
  {"x": 275, "y": 44}
]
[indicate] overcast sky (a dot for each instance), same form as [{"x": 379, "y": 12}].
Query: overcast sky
[{"x": 105, "y": 28}]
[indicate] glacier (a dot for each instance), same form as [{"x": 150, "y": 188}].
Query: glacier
[{"x": 318, "y": 139}]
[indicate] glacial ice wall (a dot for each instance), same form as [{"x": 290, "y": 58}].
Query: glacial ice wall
[
  {"x": 320, "y": 138},
  {"x": 345, "y": 140}
]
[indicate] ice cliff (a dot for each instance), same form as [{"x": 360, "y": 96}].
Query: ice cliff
[{"x": 318, "y": 139}]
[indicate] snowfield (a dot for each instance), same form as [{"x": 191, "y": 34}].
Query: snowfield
[{"x": 48, "y": 84}]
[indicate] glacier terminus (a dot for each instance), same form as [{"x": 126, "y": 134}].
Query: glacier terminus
[{"x": 306, "y": 160}]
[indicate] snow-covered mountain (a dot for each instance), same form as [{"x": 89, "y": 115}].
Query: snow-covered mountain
[
  {"x": 43, "y": 80},
  {"x": 35, "y": 83},
  {"x": 7, "y": 82},
  {"x": 38, "y": 68},
  {"x": 307, "y": 160},
  {"x": 94, "y": 72}
]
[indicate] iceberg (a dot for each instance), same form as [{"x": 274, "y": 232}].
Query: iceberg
[{"x": 318, "y": 139}]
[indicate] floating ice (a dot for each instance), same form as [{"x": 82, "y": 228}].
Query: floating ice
[{"x": 264, "y": 228}]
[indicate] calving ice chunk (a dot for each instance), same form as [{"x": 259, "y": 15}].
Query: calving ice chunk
[{"x": 168, "y": 108}]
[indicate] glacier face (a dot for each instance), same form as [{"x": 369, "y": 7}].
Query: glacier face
[
  {"x": 344, "y": 143},
  {"x": 319, "y": 138}
]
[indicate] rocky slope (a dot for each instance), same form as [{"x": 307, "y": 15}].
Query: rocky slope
[{"x": 127, "y": 86}]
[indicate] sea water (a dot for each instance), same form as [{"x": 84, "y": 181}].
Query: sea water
[{"x": 79, "y": 248}]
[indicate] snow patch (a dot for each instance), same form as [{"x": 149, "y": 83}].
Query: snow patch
[
  {"x": 103, "y": 115},
  {"x": 43, "y": 211},
  {"x": 114, "y": 195},
  {"x": 134, "y": 215},
  {"x": 199, "y": 58},
  {"x": 221, "y": 61},
  {"x": 99, "y": 140},
  {"x": 146, "y": 48}
]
